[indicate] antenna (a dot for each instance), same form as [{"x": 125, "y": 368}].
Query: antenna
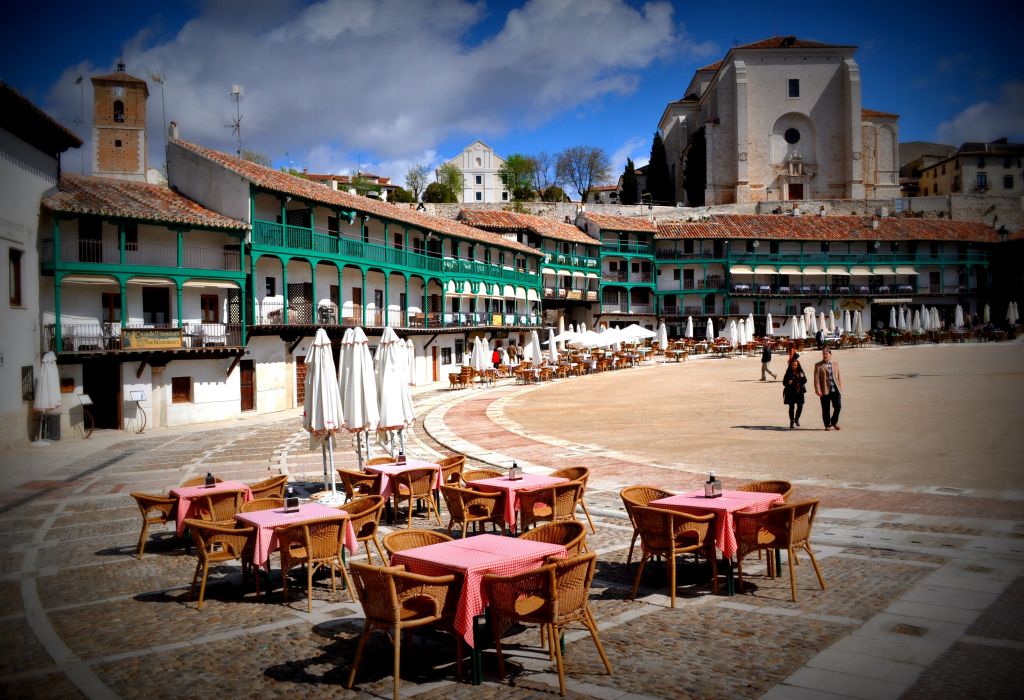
[
  {"x": 160, "y": 78},
  {"x": 80, "y": 120},
  {"x": 236, "y": 124}
]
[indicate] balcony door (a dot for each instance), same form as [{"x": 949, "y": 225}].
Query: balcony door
[
  {"x": 247, "y": 384},
  {"x": 300, "y": 302},
  {"x": 156, "y": 305}
]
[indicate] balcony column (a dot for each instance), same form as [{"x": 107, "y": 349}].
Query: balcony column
[
  {"x": 443, "y": 289},
  {"x": 123, "y": 288},
  {"x": 179, "y": 244},
  {"x": 58, "y": 343},
  {"x": 284, "y": 290},
  {"x": 177, "y": 286},
  {"x": 341, "y": 291},
  {"x": 386, "y": 233},
  {"x": 56, "y": 243},
  {"x": 405, "y": 245},
  {"x": 120, "y": 243},
  {"x": 314, "y": 301},
  {"x": 426, "y": 308},
  {"x": 405, "y": 311},
  {"x": 387, "y": 297},
  {"x": 629, "y": 300},
  {"x": 362, "y": 309}
]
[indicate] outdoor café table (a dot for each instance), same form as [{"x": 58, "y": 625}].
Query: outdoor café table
[
  {"x": 387, "y": 471},
  {"x": 471, "y": 558},
  {"x": 512, "y": 489},
  {"x": 187, "y": 494},
  {"x": 723, "y": 507},
  {"x": 266, "y": 520}
]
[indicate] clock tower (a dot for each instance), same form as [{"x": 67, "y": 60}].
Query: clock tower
[{"x": 119, "y": 145}]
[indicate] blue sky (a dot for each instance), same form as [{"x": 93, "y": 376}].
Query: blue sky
[{"x": 388, "y": 83}]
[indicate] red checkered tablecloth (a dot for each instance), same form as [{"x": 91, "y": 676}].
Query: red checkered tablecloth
[
  {"x": 266, "y": 520},
  {"x": 187, "y": 494},
  {"x": 387, "y": 471},
  {"x": 512, "y": 489},
  {"x": 723, "y": 507},
  {"x": 472, "y": 558}
]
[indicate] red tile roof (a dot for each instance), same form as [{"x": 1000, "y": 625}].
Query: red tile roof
[
  {"x": 828, "y": 228},
  {"x": 788, "y": 42},
  {"x": 604, "y": 188},
  {"x": 283, "y": 183},
  {"x": 711, "y": 66},
  {"x": 509, "y": 221},
  {"x": 875, "y": 113},
  {"x": 20, "y": 116},
  {"x": 621, "y": 223},
  {"x": 99, "y": 196}
]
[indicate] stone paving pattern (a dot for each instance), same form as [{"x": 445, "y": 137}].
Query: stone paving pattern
[{"x": 924, "y": 591}]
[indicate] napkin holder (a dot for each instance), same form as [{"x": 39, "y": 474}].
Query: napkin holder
[
  {"x": 515, "y": 472},
  {"x": 291, "y": 504},
  {"x": 400, "y": 459}
]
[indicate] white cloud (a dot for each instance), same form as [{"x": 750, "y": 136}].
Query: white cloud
[
  {"x": 391, "y": 78},
  {"x": 638, "y": 148},
  {"x": 988, "y": 120}
]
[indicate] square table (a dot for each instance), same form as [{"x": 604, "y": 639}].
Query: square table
[
  {"x": 387, "y": 471},
  {"x": 187, "y": 494},
  {"x": 266, "y": 520},
  {"x": 512, "y": 489},
  {"x": 696, "y": 503},
  {"x": 471, "y": 558}
]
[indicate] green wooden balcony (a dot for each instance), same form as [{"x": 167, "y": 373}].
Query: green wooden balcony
[
  {"x": 579, "y": 262},
  {"x": 618, "y": 248},
  {"x": 969, "y": 257}
]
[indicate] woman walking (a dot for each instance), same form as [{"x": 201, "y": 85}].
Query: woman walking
[{"x": 794, "y": 386}]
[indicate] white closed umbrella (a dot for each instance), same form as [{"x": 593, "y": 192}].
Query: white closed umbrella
[
  {"x": 552, "y": 347},
  {"x": 822, "y": 322},
  {"x": 769, "y": 331},
  {"x": 916, "y": 325},
  {"x": 901, "y": 322},
  {"x": 583, "y": 327},
  {"x": 732, "y": 333},
  {"x": 395, "y": 409},
  {"x": 535, "y": 348},
  {"x": 958, "y": 316},
  {"x": 847, "y": 326},
  {"x": 46, "y": 397},
  {"x": 410, "y": 354},
  {"x": 986, "y": 314},
  {"x": 794, "y": 327},
  {"x": 858, "y": 325},
  {"x": 803, "y": 326},
  {"x": 504, "y": 356},
  {"x": 689, "y": 327},
  {"x": 831, "y": 321},
  {"x": 481, "y": 357},
  {"x": 561, "y": 330},
  {"x": 709, "y": 332},
  {"x": 323, "y": 414},
  {"x": 741, "y": 331},
  {"x": 892, "y": 317},
  {"x": 663, "y": 337},
  {"x": 358, "y": 388},
  {"x": 936, "y": 323},
  {"x": 750, "y": 327}
]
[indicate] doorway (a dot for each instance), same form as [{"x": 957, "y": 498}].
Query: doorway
[
  {"x": 102, "y": 382},
  {"x": 247, "y": 384},
  {"x": 796, "y": 191},
  {"x": 300, "y": 380},
  {"x": 156, "y": 306}
]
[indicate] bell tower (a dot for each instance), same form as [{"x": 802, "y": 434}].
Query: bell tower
[{"x": 119, "y": 144}]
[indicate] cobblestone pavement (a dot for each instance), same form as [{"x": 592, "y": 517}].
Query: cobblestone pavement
[{"x": 923, "y": 600}]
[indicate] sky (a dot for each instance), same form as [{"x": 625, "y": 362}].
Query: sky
[{"x": 380, "y": 85}]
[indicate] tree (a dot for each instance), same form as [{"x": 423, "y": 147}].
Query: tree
[
  {"x": 517, "y": 176},
  {"x": 451, "y": 178},
  {"x": 401, "y": 195},
  {"x": 257, "y": 157},
  {"x": 629, "y": 184},
  {"x": 553, "y": 193},
  {"x": 695, "y": 170},
  {"x": 659, "y": 184},
  {"x": 582, "y": 166},
  {"x": 544, "y": 171},
  {"x": 437, "y": 193},
  {"x": 416, "y": 179},
  {"x": 363, "y": 186}
]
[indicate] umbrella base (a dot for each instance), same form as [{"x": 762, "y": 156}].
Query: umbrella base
[
  {"x": 328, "y": 498},
  {"x": 41, "y": 443}
]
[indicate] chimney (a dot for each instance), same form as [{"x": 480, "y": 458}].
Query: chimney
[
  {"x": 172, "y": 131},
  {"x": 305, "y": 171},
  {"x": 874, "y": 224},
  {"x": 796, "y": 210},
  {"x": 822, "y": 212}
]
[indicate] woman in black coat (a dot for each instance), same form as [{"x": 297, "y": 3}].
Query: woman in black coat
[{"x": 794, "y": 386}]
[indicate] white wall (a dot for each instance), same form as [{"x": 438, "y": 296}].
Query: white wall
[
  {"x": 273, "y": 373},
  {"x": 214, "y": 187},
  {"x": 215, "y": 395}
]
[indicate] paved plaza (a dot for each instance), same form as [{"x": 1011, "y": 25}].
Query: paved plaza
[{"x": 920, "y": 540}]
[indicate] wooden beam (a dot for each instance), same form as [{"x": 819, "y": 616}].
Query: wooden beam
[
  {"x": 234, "y": 363},
  {"x": 142, "y": 366},
  {"x": 295, "y": 344}
]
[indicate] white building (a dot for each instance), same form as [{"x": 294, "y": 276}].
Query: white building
[
  {"x": 779, "y": 119},
  {"x": 480, "y": 165}
]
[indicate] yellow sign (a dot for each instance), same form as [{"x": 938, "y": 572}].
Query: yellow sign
[
  {"x": 854, "y": 304},
  {"x": 496, "y": 319},
  {"x": 150, "y": 338}
]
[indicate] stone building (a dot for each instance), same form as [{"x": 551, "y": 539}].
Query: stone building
[
  {"x": 992, "y": 169},
  {"x": 480, "y": 165},
  {"x": 120, "y": 146},
  {"x": 779, "y": 119}
]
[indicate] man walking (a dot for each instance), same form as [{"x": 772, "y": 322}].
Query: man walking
[
  {"x": 828, "y": 385},
  {"x": 766, "y": 357}
]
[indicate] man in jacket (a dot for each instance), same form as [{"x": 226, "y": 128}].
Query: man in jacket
[
  {"x": 766, "y": 357},
  {"x": 828, "y": 385}
]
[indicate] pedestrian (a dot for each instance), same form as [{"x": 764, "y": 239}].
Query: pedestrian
[
  {"x": 794, "y": 386},
  {"x": 766, "y": 357},
  {"x": 496, "y": 357},
  {"x": 828, "y": 385},
  {"x": 819, "y": 338}
]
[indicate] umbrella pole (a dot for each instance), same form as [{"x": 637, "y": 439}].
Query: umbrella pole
[
  {"x": 323, "y": 455},
  {"x": 359, "y": 450},
  {"x": 330, "y": 449},
  {"x": 401, "y": 439}
]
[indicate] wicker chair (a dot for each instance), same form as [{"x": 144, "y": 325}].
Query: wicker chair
[
  {"x": 156, "y": 510},
  {"x": 783, "y": 488},
  {"x": 356, "y": 483},
  {"x": 669, "y": 534},
  {"x": 380, "y": 460},
  {"x": 395, "y": 600},
  {"x": 571, "y": 534},
  {"x": 269, "y": 488},
  {"x": 633, "y": 496},
  {"x": 580, "y": 474},
  {"x": 199, "y": 481},
  {"x": 219, "y": 507},
  {"x": 315, "y": 544},
  {"x": 467, "y": 506},
  {"x": 454, "y": 381},
  {"x": 217, "y": 543},
  {"x": 415, "y": 484},
  {"x": 365, "y": 516},
  {"x": 551, "y": 596},
  {"x": 477, "y": 474},
  {"x": 261, "y": 504},
  {"x": 451, "y": 469},
  {"x": 553, "y": 503},
  {"x": 783, "y": 527},
  {"x": 411, "y": 539}
]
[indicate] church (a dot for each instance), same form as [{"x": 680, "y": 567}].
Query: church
[{"x": 779, "y": 120}]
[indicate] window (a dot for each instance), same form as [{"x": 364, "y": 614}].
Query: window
[
  {"x": 982, "y": 181},
  {"x": 794, "y": 87},
  {"x": 773, "y": 247},
  {"x": 792, "y": 136},
  {"x": 271, "y": 286},
  {"x": 399, "y": 241},
  {"x": 111, "y": 307},
  {"x": 943, "y": 168},
  {"x": 824, "y": 246},
  {"x": 504, "y": 196},
  {"x": 956, "y": 183},
  {"x": 1007, "y": 162},
  {"x": 956, "y": 164},
  {"x": 332, "y": 225},
  {"x": 479, "y": 179},
  {"x": 156, "y": 305},
  {"x": 117, "y": 143},
  {"x": 1007, "y": 182},
  {"x": 131, "y": 236},
  {"x": 479, "y": 196},
  {"x": 209, "y": 304},
  {"x": 181, "y": 389},
  {"x": 118, "y": 113},
  {"x": 14, "y": 269},
  {"x": 335, "y": 294},
  {"x": 688, "y": 247},
  {"x": 446, "y": 356},
  {"x": 675, "y": 274},
  {"x": 981, "y": 162}
]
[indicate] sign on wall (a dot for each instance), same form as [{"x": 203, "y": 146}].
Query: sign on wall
[{"x": 150, "y": 338}]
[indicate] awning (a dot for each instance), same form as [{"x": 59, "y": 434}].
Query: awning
[
  {"x": 547, "y": 271},
  {"x": 509, "y": 292},
  {"x": 814, "y": 270},
  {"x": 906, "y": 270},
  {"x": 151, "y": 282},
  {"x": 789, "y": 270},
  {"x": 860, "y": 270},
  {"x": 87, "y": 279},
  {"x": 219, "y": 284},
  {"x": 764, "y": 270},
  {"x": 578, "y": 274},
  {"x": 520, "y": 293},
  {"x": 531, "y": 295},
  {"x": 838, "y": 271},
  {"x": 564, "y": 273},
  {"x": 741, "y": 270},
  {"x": 892, "y": 301},
  {"x": 884, "y": 270},
  {"x": 592, "y": 276}
]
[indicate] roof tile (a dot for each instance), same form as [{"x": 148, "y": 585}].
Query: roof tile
[
  {"x": 622, "y": 223},
  {"x": 510, "y": 221}
]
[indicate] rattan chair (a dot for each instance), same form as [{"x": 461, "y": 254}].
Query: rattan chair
[
  {"x": 365, "y": 516},
  {"x": 580, "y": 474},
  {"x": 451, "y": 469},
  {"x": 269, "y": 488},
  {"x": 217, "y": 543},
  {"x": 477, "y": 474},
  {"x": 356, "y": 483},
  {"x": 199, "y": 481},
  {"x": 783, "y": 488},
  {"x": 261, "y": 504},
  {"x": 156, "y": 510},
  {"x": 783, "y": 527},
  {"x": 395, "y": 600},
  {"x": 551, "y": 596},
  {"x": 220, "y": 506},
  {"x": 380, "y": 460},
  {"x": 633, "y": 496},
  {"x": 315, "y": 544},
  {"x": 412, "y": 485},
  {"x": 411, "y": 539},
  {"x": 571, "y": 534},
  {"x": 553, "y": 503},
  {"x": 470, "y": 507},
  {"x": 669, "y": 534}
]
